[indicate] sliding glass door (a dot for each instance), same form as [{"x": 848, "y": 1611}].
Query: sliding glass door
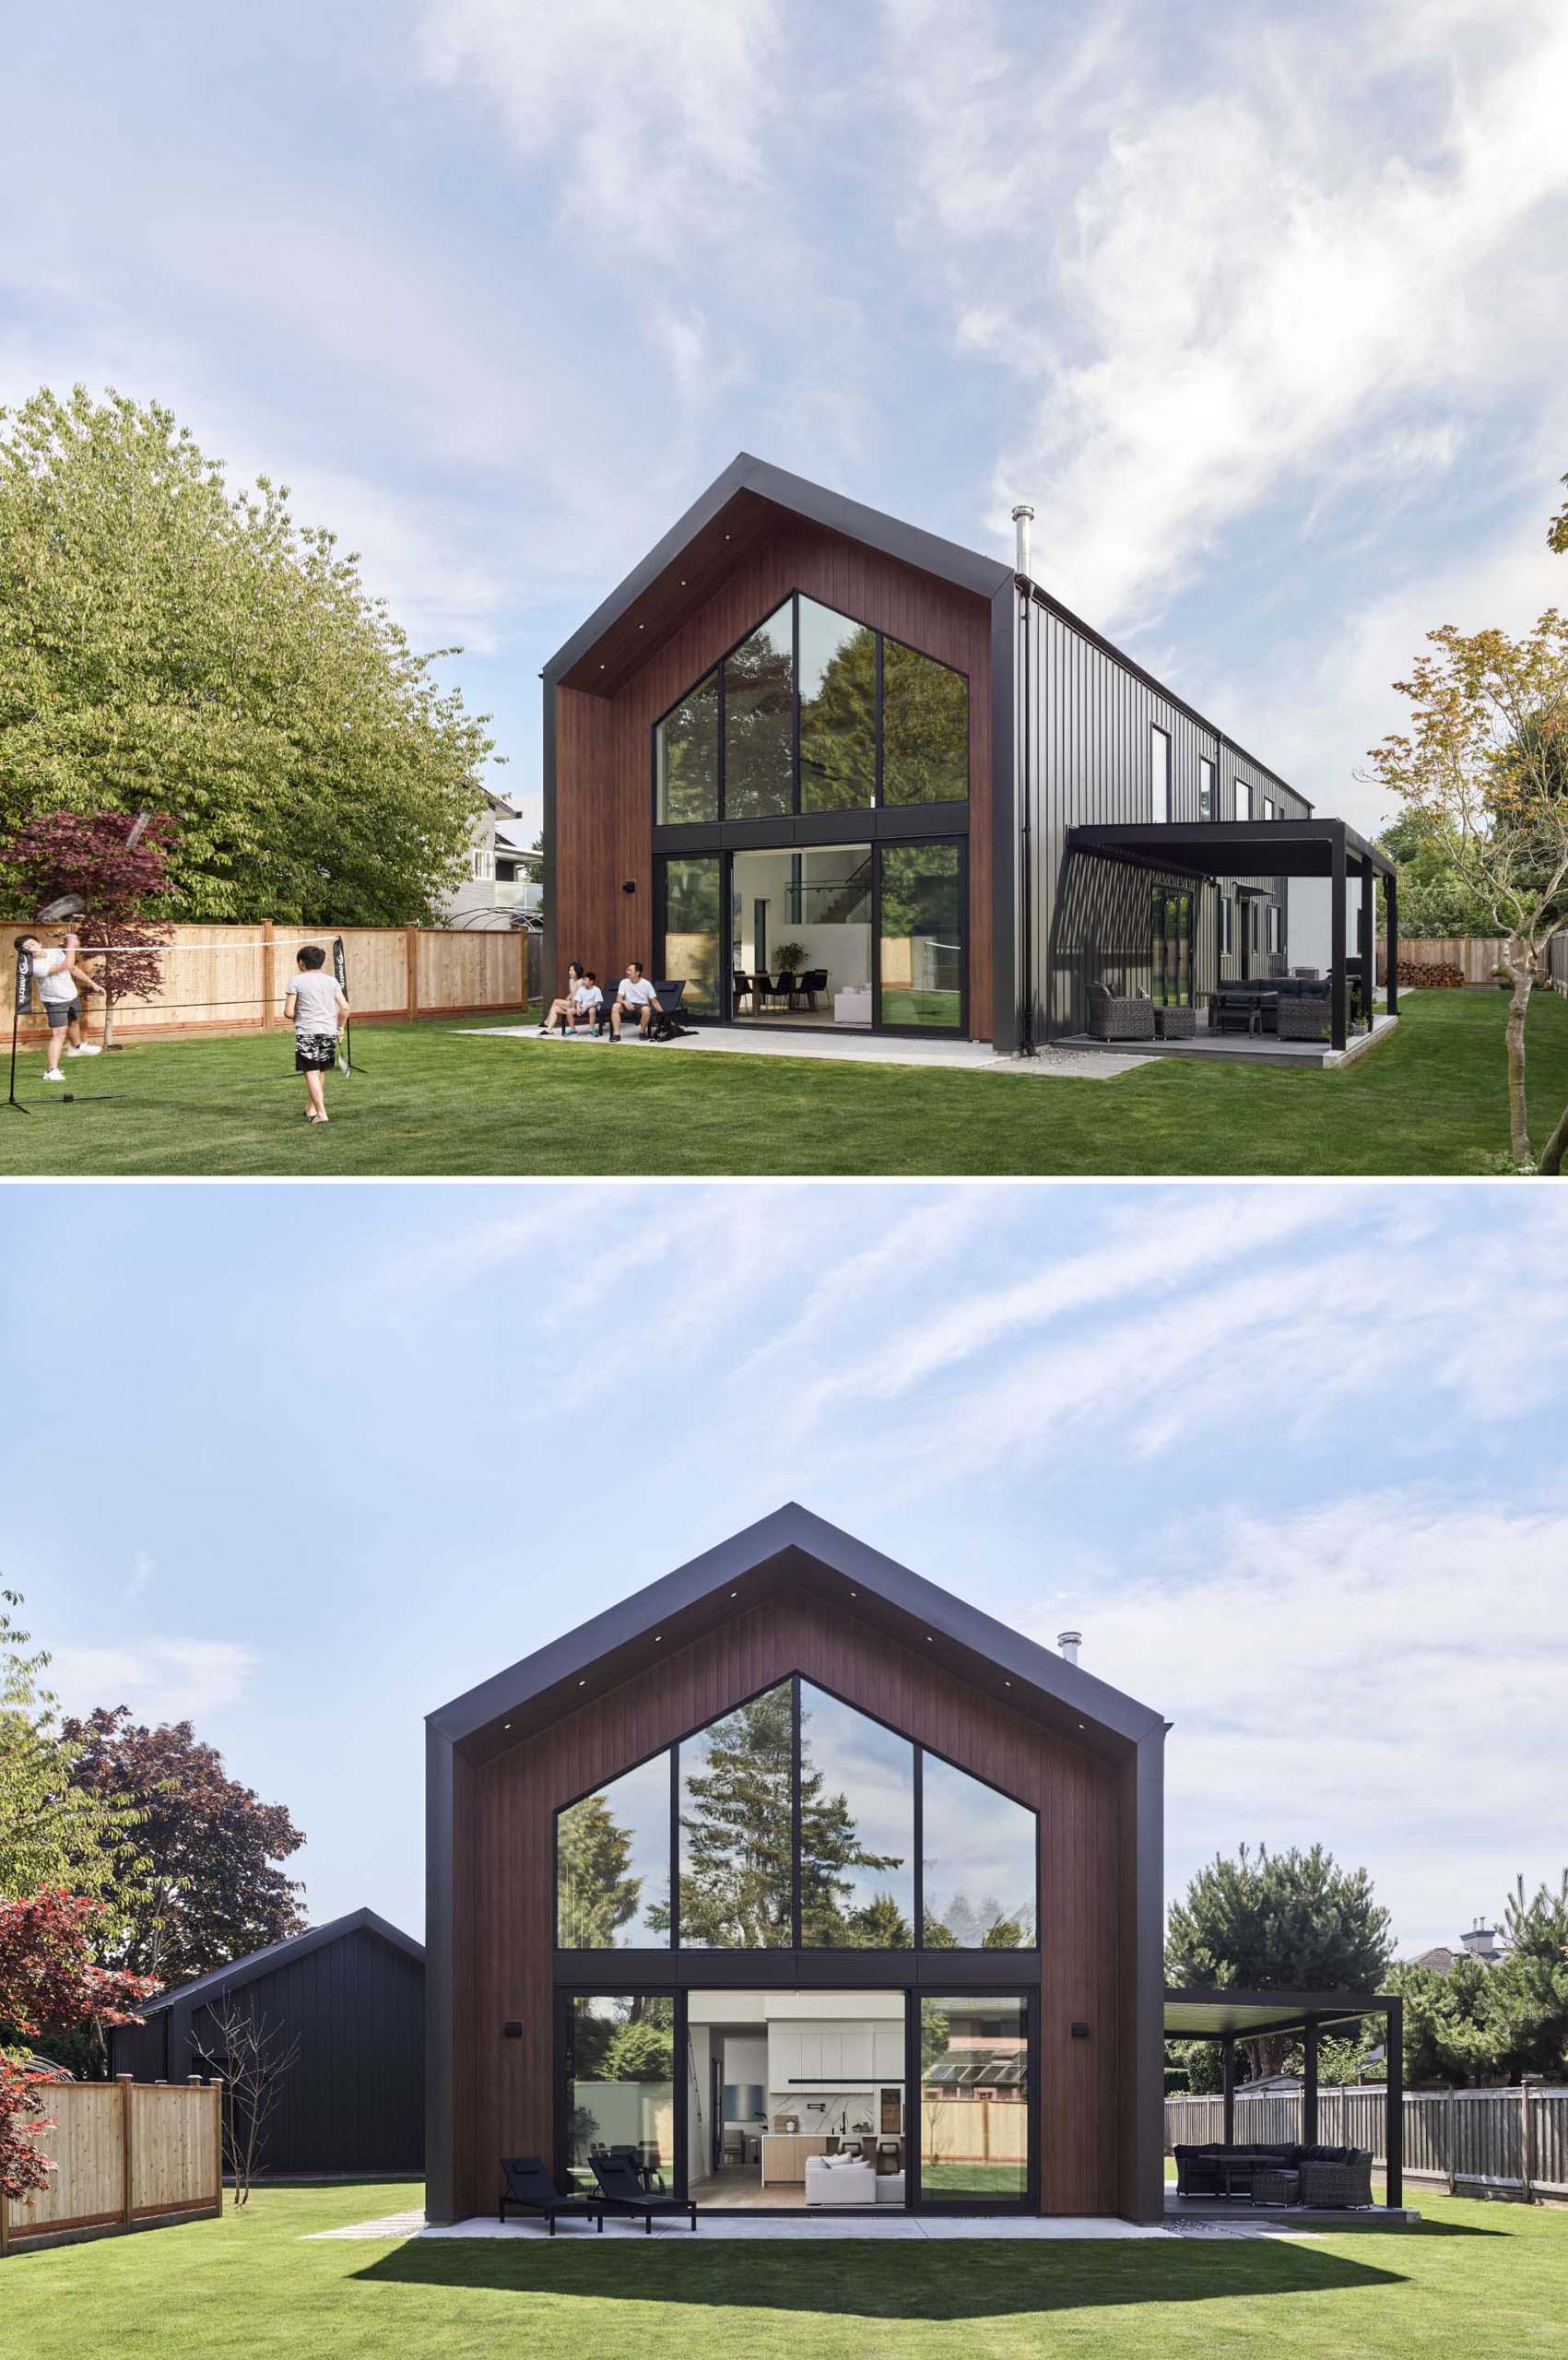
[
  {"x": 693, "y": 935},
  {"x": 976, "y": 2145},
  {"x": 618, "y": 2085},
  {"x": 921, "y": 937},
  {"x": 1171, "y": 960}
]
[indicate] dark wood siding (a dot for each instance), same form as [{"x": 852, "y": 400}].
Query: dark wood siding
[
  {"x": 1083, "y": 725},
  {"x": 354, "y": 2100},
  {"x": 503, "y": 1852},
  {"x": 603, "y": 746}
]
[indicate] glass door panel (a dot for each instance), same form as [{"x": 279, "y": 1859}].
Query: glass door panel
[
  {"x": 619, "y": 2085},
  {"x": 692, "y": 945},
  {"x": 1172, "y": 947},
  {"x": 921, "y": 937},
  {"x": 800, "y": 935},
  {"x": 975, "y": 2109}
]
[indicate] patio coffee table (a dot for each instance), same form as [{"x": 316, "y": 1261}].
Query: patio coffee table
[{"x": 1236, "y": 2179}]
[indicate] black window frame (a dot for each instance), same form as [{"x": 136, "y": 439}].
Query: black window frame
[
  {"x": 1028, "y": 2199},
  {"x": 608, "y": 1986},
  {"x": 796, "y": 810}
]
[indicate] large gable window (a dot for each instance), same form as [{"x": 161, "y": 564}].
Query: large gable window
[
  {"x": 813, "y": 712},
  {"x": 794, "y": 1822},
  {"x": 612, "y": 1863}
]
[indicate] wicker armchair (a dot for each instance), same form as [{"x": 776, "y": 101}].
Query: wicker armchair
[
  {"x": 1302, "y": 1018},
  {"x": 1337, "y": 2186},
  {"x": 1119, "y": 1020}
]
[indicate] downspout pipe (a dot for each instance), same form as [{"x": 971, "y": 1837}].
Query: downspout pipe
[{"x": 1023, "y": 515}]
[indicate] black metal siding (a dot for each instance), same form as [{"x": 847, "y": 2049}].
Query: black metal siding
[
  {"x": 1083, "y": 739},
  {"x": 354, "y": 2101}
]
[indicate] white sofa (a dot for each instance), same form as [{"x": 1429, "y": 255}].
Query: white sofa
[{"x": 840, "y": 2180}]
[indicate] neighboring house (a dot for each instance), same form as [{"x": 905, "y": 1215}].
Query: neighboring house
[
  {"x": 502, "y": 873},
  {"x": 793, "y": 1847},
  {"x": 1479, "y": 1943},
  {"x": 804, "y": 735},
  {"x": 352, "y": 1994}
]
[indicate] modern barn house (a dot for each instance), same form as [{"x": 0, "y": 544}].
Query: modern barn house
[
  {"x": 811, "y": 1885},
  {"x": 836, "y": 773}
]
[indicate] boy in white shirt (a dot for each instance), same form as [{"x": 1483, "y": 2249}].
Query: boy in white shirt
[
  {"x": 315, "y": 1004},
  {"x": 635, "y": 996},
  {"x": 61, "y": 983}
]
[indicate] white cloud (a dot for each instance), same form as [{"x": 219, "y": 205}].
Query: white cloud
[
  {"x": 160, "y": 1680},
  {"x": 656, "y": 115},
  {"x": 1384, "y": 1673}
]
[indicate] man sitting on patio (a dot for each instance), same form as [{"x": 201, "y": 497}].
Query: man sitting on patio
[{"x": 635, "y": 996}]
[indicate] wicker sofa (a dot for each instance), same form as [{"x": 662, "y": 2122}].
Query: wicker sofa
[
  {"x": 1330, "y": 2177},
  {"x": 1127, "y": 1019}
]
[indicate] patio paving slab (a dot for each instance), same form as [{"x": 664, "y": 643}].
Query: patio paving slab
[
  {"x": 962, "y": 1057},
  {"x": 901, "y": 2226}
]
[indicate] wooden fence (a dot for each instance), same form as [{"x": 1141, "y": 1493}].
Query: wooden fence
[
  {"x": 1475, "y": 955},
  {"x": 126, "y": 2155},
  {"x": 1493, "y": 2143},
  {"x": 232, "y": 978}
]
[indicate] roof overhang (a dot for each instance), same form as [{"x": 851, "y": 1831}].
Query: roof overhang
[
  {"x": 1220, "y": 2015},
  {"x": 1211, "y": 848},
  {"x": 739, "y": 510},
  {"x": 796, "y": 1552}
]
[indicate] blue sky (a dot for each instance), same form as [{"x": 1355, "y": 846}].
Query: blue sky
[
  {"x": 303, "y": 1464},
  {"x": 1263, "y": 312}
]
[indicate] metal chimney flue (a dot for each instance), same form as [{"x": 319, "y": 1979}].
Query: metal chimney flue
[
  {"x": 1023, "y": 516},
  {"x": 1069, "y": 1643}
]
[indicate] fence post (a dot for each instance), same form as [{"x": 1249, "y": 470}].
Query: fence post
[
  {"x": 124, "y": 2081},
  {"x": 269, "y": 972},
  {"x": 1450, "y": 2126},
  {"x": 218, "y": 2143},
  {"x": 411, "y": 953},
  {"x": 4, "y": 2224},
  {"x": 1526, "y": 2161}
]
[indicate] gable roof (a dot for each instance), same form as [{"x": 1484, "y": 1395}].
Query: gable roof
[
  {"x": 738, "y": 509},
  {"x": 241, "y": 1971},
  {"x": 792, "y": 1549}
]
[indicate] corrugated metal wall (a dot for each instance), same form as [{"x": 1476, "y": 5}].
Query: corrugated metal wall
[{"x": 1083, "y": 722}]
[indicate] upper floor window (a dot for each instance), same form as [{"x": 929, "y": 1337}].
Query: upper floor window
[
  {"x": 1227, "y": 926},
  {"x": 1159, "y": 771},
  {"x": 793, "y": 1820},
  {"x": 1205, "y": 787},
  {"x": 1243, "y": 799},
  {"x": 813, "y": 712}
]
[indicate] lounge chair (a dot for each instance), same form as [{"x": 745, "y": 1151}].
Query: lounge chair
[
  {"x": 620, "y": 2189},
  {"x": 527, "y": 2187},
  {"x": 1128, "y": 1018}
]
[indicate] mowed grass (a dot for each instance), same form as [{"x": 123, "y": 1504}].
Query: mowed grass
[
  {"x": 1482, "y": 2280},
  {"x": 437, "y": 1099}
]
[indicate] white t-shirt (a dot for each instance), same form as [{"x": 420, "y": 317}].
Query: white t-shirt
[
  {"x": 588, "y": 996},
  {"x": 637, "y": 990},
  {"x": 315, "y": 1000},
  {"x": 56, "y": 988}
]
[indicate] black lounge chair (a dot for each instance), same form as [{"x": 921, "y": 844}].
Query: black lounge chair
[
  {"x": 621, "y": 2189},
  {"x": 526, "y": 2187}
]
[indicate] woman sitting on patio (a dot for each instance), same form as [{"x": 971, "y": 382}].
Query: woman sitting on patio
[{"x": 568, "y": 1008}]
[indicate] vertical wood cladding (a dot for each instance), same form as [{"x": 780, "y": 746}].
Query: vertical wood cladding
[
  {"x": 354, "y": 2101},
  {"x": 503, "y": 1867},
  {"x": 1084, "y": 724},
  {"x": 604, "y": 758}
]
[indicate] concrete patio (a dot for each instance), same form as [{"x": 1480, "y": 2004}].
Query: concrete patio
[
  {"x": 1239, "y": 1048},
  {"x": 1064, "y": 1061}
]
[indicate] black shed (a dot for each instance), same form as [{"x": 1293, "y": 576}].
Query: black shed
[{"x": 352, "y": 1994}]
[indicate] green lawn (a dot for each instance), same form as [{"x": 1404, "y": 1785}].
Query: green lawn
[
  {"x": 1482, "y": 2280},
  {"x": 433, "y": 1099}
]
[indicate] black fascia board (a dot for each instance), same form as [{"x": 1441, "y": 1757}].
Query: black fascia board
[
  {"x": 948, "y": 561},
  {"x": 789, "y": 1548},
  {"x": 1256, "y": 2012},
  {"x": 240, "y": 1971},
  {"x": 1231, "y": 847}
]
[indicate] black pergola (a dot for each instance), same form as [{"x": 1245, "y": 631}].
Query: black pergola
[
  {"x": 1210, "y": 849},
  {"x": 1227, "y": 2016}
]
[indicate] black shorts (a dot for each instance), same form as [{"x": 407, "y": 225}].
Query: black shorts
[
  {"x": 315, "y": 1052},
  {"x": 62, "y": 1012}
]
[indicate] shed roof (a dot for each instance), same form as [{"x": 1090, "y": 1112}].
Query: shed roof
[
  {"x": 241, "y": 1971},
  {"x": 791, "y": 1549}
]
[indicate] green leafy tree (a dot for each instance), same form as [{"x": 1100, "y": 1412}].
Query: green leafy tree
[
  {"x": 53, "y": 1831},
  {"x": 1527, "y": 1994},
  {"x": 1436, "y": 898},
  {"x": 210, "y": 1887},
  {"x": 167, "y": 643},
  {"x": 598, "y": 1893},
  {"x": 1290, "y": 1920}
]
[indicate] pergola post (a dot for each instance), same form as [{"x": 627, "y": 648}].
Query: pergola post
[
  {"x": 1368, "y": 937},
  {"x": 1394, "y": 2053},
  {"x": 1309, "y": 2084},
  {"x": 1336, "y": 941},
  {"x": 1228, "y": 2085},
  {"x": 1391, "y": 897}
]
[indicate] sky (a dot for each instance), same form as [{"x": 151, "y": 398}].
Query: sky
[
  {"x": 1262, "y": 310},
  {"x": 303, "y": 1465}
]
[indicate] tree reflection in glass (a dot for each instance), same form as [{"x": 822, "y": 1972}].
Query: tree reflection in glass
[
  {"x": 735, "y": 1882},
  {"x": 856, "y": 1829},
  {"x": 612, "y": 1863},
  {"x": 978, "y": 1864}
]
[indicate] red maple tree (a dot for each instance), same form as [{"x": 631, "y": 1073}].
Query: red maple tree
[
  {"x": 89, "y": 854},
  {"x": 48, "y": 1982}
]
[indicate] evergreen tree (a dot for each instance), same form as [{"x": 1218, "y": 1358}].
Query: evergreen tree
[{"x": 598, "y": 1896}]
